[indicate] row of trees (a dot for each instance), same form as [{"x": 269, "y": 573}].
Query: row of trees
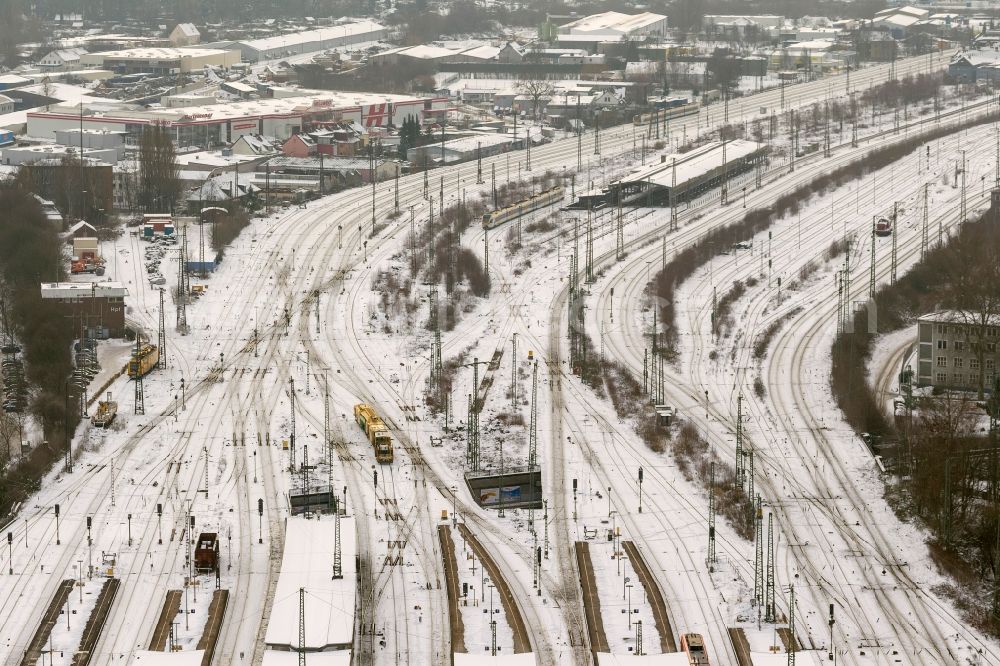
[{"x": 31, "y": 252}]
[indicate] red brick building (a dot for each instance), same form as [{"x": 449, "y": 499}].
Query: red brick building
[{"x": 98, "y": 307}]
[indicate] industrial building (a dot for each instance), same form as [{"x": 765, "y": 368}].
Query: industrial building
[
  {"x": 681, "y": 177},
  {"x": 308, "y": 41},
  {"x": 610, "y": 26},
  {"x": 946, "y": 357},
  {"x": 161, "y": 61},
  {"x": 98, "y": 308},
  {"x": 214, "y": 125}
]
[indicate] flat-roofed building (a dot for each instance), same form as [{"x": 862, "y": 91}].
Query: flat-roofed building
[
  {"x": 96, "y": 307},
  {"x": 161, "y": 61},
  {"x": 949, "y": 343}
]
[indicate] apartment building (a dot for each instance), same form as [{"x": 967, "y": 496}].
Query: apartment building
[{"x": 948, "y": 345}]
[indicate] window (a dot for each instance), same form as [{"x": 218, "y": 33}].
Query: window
[
  {"x": 990, "y": 364},
  {"x": 942, "y": 344},
  {"x": 959, "y": 362},
  {"x": 942, "y": 361},
  {"x": 973, "y": 364},
  {"x": 941, "y": 378},
  {"x": 958, "y": 379},
  {"x": 959, "y": 346},
  {"x": 991, "y": 347}
]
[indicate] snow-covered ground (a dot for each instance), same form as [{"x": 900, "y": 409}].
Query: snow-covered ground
[{"x": 216, "y": 449}]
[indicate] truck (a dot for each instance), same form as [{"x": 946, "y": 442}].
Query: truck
[
  {"x": 206, "y": 553},
  {"x": 88, "y": 263},
  {"x": 376, "y": 431},
  {"x": 143, "y": 360},
  {"x": 86, "y": 256},
  {"x": 105, "y": 414}
]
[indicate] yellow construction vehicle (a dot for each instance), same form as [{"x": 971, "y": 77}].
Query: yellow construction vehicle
[
  {"x": 376, "y": 431},
  {"x": 143, "y": 361}
]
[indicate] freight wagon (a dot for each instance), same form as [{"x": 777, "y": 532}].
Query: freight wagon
[
  {"x": 376, "y": 431},
  {"x": 519, "y": 208},
  {"x": 206, "y": 554}
]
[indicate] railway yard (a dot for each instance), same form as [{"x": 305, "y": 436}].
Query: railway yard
[{"x": 290, "y": 493}]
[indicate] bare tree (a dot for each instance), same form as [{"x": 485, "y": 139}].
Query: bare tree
[
  {"x": 976, "y": 295},
  {"x": 535, "y": 89},
  {"x": 159, "y": 185}
]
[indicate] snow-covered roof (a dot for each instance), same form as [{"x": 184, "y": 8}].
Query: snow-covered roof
[
  {"x": 83, "y": 289},
  {"x": 282, "y": 658},
  {"x": 307, "y": 563},
  {"x": 159, "y": 53},
  {"x": 307, "y": 36},
  {"x": 181, "y": 658},
  {"x": 691, "y": 165},
  {"x": 66, "y": 55},
  {"x": 187, "y": 29},
  {"x": 665, "y": 659},
  {"x": 81, "y": 226},
  {"x": 256, "y": 143},
  {"x": 956, "y": 317},
  {"x": 908, "y": 10},
  {"x": 899, "y": 20},
  {"x": 616, "y": 21},
  {"x": 484, "y": 52},
  {"x": 523, "y": 659}
]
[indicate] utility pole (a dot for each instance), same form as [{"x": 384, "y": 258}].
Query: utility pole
[
  {"x": 291, "y": 410},
  {"x": 620, "y": 238},
  {"x": 769, "y": 615},
  {"x": 140, "y": 398},
  {"x": 181, "y": 291},
  {"x": 673, "y": 187},
  {"x": 758, "y": 563},
  {"x": 472, "y": 453},
  {"x": 895, "y": 233},
  {"x": 590, "y": 247},
  {"x": 161, "y": 361},
  {"x": 338, "y": 571},
  {"x": 739, "y": 441},
  {"x": 923, "y": 228},
  {"x": 964, "y": 210},
  {"x": 711, "y": 516},
  {"x": 533, "y": 435},
  {"x": 725, "y": 175},
  {"x": 302, "y": 627},
  {"x": 792, "y": 643},
  {"x": 493, "y": 180},
  {"x": 871, "y": 267},
  {"x": 513, "y": 372}
]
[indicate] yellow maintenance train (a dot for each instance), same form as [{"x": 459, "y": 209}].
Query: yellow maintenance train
[
  {"x": 518, "y": 208},
  {"x": 376, "y": 431},
  {"x": 143, "y": 360}
]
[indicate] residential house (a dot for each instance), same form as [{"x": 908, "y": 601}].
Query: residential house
[
  {"x": 62, "y": 59},
  {"x": 299, "y": 145},
  {"x": 254, "y": 144},
  {"x": 185, "y": 34}
]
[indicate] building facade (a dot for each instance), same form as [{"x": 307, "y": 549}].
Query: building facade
[
  {"x": 948, "y": 346},
  {"x": 96, "y": 307}
]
